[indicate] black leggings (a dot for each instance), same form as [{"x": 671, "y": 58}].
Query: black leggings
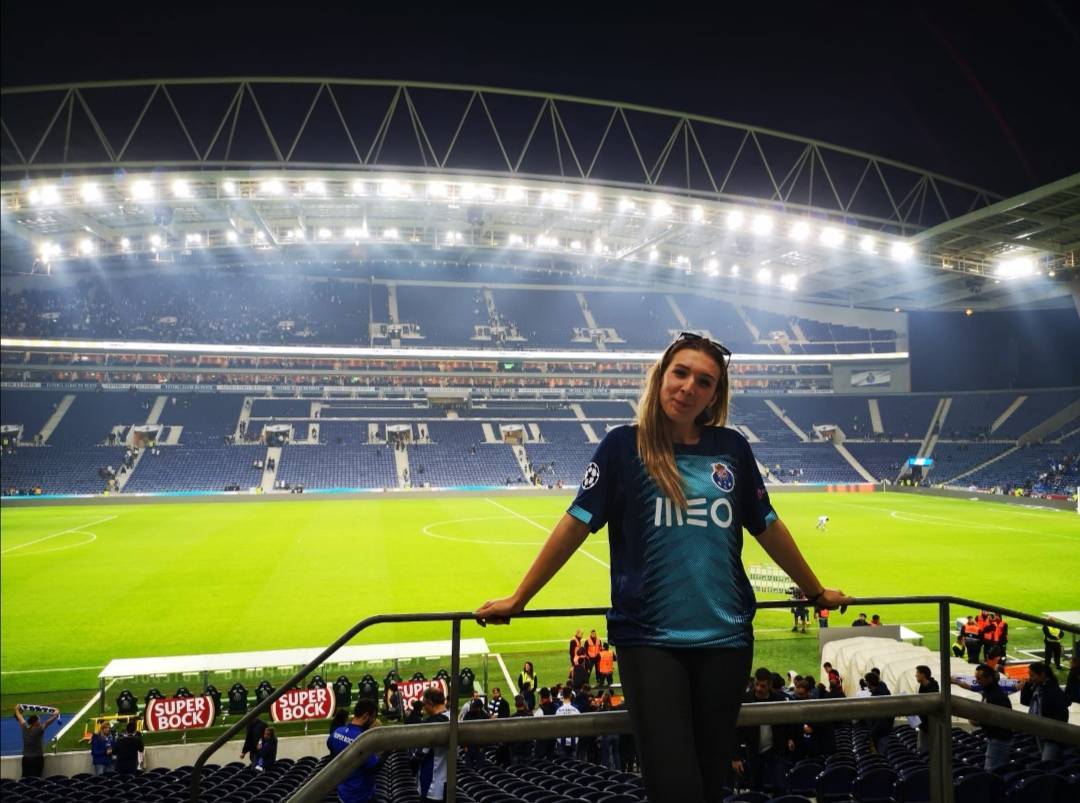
[{"x": 683, "y": 704}]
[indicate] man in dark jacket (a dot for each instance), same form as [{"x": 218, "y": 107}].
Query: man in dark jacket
[
  {"x": 927, "y": 685},
  {"x": 1045, "y": 698},
  {"x": 998, "y": 740},
  {"x": 252, "y": 737},
  {"x": 765, "y": 752},
  {"x": 879, "y": 728}
]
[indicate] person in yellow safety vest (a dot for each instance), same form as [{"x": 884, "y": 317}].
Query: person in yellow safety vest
[
  {"x": 592, "y": 649},
  {"x": 605, "y": 666},
  {"x": 972, "y": 631}
]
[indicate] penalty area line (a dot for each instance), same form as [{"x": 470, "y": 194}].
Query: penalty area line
[
  {"x": 54, "y": 535},
  {"x": 582, "y": 550}
]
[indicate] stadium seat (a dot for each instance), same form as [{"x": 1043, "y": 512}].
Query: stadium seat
[
  {"x": 979, "y": 787},
  {"x": 913, "y": 787},
  {"x": 834, "y": 783},
  {"x": 1042, "y": 788}
]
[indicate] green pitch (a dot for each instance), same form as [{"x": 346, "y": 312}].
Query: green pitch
[{"x": 82, "y": 585}]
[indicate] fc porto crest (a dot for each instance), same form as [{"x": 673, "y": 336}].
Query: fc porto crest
[{"x": 723, "y": 477}]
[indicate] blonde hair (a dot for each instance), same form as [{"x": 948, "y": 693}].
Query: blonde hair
[{"x": 654, "y": 444}]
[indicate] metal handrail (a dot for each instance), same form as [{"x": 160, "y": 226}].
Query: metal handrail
[{"x": 940, "y": 730}]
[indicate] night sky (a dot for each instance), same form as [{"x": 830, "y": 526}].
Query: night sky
[{"x": 984, "y": 92}]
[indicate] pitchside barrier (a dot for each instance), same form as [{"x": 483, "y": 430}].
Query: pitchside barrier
[{"x": 938, "y": 708}]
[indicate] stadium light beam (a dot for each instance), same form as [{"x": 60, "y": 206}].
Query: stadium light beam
[
  {"x": 142, "y": 190},
  {"x": 832, "y": 236},
  {"x": 735, "y": 219},
  {"x": 867, "y": 244},
  {"x": 181, "y": 188},
  {"x": 800, "y": 230},
  {"x": 901, "y": 251},
  {"x": 90, "y": 192},
  {"x": 762, "y": 225}
]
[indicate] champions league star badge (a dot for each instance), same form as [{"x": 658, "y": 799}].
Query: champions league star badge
[
  {"x": 592, "y": 474},
  {"x": 723, "y": 477}
]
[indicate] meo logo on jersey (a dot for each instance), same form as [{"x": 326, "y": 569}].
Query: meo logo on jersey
[
  {"x": 592, "y": 475},
  {"x": 723, "y": 477}
]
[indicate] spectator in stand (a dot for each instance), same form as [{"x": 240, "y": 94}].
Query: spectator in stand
[
  {"x": 875, "y": 621},
  {"x": 476, "y": 712},
  {"x": 527, "y": 681},
  {"x": 861, "y": 621},
  {"x": 1044, "y": 698},
  {"x": 431, "y": 778},
  {"x": 101, "y": 749},
  {"x": 927, "y": 685},
  {"x": 579, "y": 672},
  {"x": 34, "y": 737},
  {"x": 395, "y": 708},
  {"x": 521, "y": 752},
  {"x": 416, "y": 713},
  {"x": 1072, "y": 683},
  {"x": 267, "y": 751},
  {"x": 359, "y": 787},
  {"x": 252, "y": 735},
  {"x": 498, "y": 707},
  {"x": 879, "y": 728},
  {"x": 129, "y": 750},
  {"x": 567, "y": 744},
  {"x": 1052, "y": 645},
  {"x": 545, "y": 748},
  {"x": 341, "y": 716},
  {"x": 765, "y": 752},
  {"x": 998, "y": 740},
  {"x": 682, "y": 608}
]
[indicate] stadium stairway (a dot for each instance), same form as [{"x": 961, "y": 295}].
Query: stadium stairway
[
  {"x": 523, "y": 462},
  {"x": 981, "y": 466},
  {"x": 56, "y": 417},
  {"x": 401, "y": 466},
  {"x": 122, "y": 479},
  {"x": 270, "y": 474},
  {"x": 855, "y": 464},
  {"x": 790, "y": 424}
]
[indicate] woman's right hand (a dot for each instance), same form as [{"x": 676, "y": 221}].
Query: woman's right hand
[{"x": 499, "y": 611}]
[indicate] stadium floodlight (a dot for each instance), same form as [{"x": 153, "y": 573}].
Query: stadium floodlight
[
  {"x": 260, "y": 236},
  {"x": 547, "y": 241},
  {"x": 515, "y": 241},
  {"x": 359, "y": 188},
  {"x": 799, "y": 231},
  {"x": 626, "y": 206},
  {"x": 557, "y": 198},
  {"x": 125, "y": 244},
  {"x": 867, "y": 244},
  {"x": 654, "y": 254},
  {"x": 297, "y": 234},
  {"x": 468, "y": 191},
  {"x": 901, "y": 251},
  {"x": 391, "y": 234},
  {"x": 453, "y": 237},
  {"x": 228, "y": 186},
  {"x": 764, "y": 276},
  {"x": 193, "y": 238},
  {"x": 734, "y": 270},
  {"x": 181, "y": 188},
  {"x": 598, "y": 246},
  {"x": 47, "y": 195},
  {"x": 575, "y": 245},
  {"x": 271, "y": 186},
  {"x": 86, "y": 246},
  {"x": 735, "y": 219},
  {"x": 314, "y": 186},
  {"x": 486, "y": 193},
  {"x": 155, "y": 240},
  {"x": 516, "y": 195},
  {"x": 48, "y": 250},
  {"x": 789, "y": 281},
  {"x": 661, "y": 209},
  {"x": 437, "y": 190},
  {"x": 142, "y": 190},
  {"x": 1015, "y": 268},
  {"x": 697, "y": 214},
  {"x": 969, "y": 312},
  {"x": 712, "y": 266},
  {"x": 325, "y": 233},
  {"x": 231, "y": 236},
  {"x": 590, "y": 202},
  {"x": 762, "y": 224},
  {"x": 832, "y": 236},
  {"x": 90, "y": 192},
  {"x": 683, "y": 261}
]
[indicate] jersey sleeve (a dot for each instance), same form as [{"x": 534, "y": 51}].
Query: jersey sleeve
[
  {"x": 756, "y": 509},
  {"x": 593, "y": 503}
]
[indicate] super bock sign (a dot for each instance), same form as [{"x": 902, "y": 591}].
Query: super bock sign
[
  {"x": 298, "y": 704},
  {"x": 179, "y": 713}
]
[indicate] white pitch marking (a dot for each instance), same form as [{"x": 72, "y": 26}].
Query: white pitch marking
[
  {"x": 93, "y": 538},
  {"x": 40, "y": 671},
  {"x": 54, "y": 535},
  {"x": 582, "y": 550},
  {"x": 506, "y": 674}
]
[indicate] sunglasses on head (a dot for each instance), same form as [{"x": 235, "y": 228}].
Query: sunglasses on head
[{"x": 691, "y": 337}]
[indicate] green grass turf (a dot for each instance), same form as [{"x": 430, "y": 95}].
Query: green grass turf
[{"x": 81, "y": 585}]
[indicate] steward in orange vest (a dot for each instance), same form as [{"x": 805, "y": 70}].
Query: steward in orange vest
[{"x": 605, "y": 666}]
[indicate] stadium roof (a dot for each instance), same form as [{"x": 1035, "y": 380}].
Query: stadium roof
[{"x": 250, "y": 167}]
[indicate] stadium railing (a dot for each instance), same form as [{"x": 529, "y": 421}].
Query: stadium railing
[{"x": 939, "y": 708}]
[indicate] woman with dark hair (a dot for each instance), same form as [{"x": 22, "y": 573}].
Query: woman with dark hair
[
  {"x": 676, "y": 491},
  {"x": 527, "y": 684},
  {"x": 1045, "y": 698}
]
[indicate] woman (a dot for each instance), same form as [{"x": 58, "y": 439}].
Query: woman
[
  {"x": 267, "y": 750},
  {"x": 101, "y": 749},
  {"x": 527, "y": 684},
  {"x": 676, "y": 490}
]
